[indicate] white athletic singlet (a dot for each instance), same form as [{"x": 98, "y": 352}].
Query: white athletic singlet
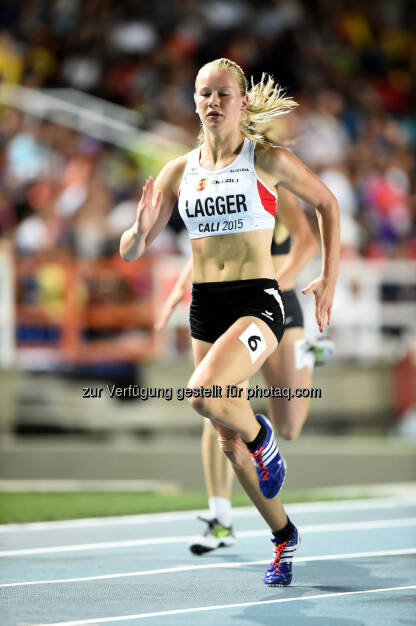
[{"x": 230, "y": 200}]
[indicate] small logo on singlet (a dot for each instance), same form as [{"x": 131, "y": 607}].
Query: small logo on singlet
[
  {"x": 201, "y": 184},
  {"x": 224, "y": 181}
]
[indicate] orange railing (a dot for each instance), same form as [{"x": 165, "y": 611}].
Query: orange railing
[{"x": 101, "y": 297}]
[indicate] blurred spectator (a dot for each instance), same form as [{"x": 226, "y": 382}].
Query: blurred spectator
[
  {"x": 7, "y": 217},
  {"x": 11, "y": 59},
  {"x": 41, "y": 230},
  {"x": 322, "y": 138},
  {"x": 91, "y": 229},
  {"x": 349, "y": 67},
  {"x": 337, "y": 180}
]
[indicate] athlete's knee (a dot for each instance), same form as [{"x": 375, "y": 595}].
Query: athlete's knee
[
  {"x": 201, "y": 405},
  {"x": 287, "y": 420},
  {"x": 204, "y": 405},
  {"x": 197, "y": 402},
  {"x": 290, "y": 431}
]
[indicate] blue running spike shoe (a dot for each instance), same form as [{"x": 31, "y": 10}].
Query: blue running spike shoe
[
  {"x": 270, "y": 466},
  {"x": 279, "y": 573}
]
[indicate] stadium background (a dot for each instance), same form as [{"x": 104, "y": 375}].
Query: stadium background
[{"x": 97, "y": 95}]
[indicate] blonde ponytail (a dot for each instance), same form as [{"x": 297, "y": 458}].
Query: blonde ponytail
[{"x": 266, "y": 102}]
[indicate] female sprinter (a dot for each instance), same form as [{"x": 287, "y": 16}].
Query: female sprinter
[
  {"x": 236, "y": 315},
  {"x": 290, "y": 366}
]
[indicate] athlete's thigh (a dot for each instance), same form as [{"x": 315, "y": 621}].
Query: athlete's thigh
[
  {"x": 200, "y": 350},
  {"x": 238, "y": 353},
  {"x": 282, "y": 369}
]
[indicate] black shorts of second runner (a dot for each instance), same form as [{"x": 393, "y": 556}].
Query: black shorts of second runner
[
  {"x": 216, "y": 306},
  {"x": 293, "y": 310}
]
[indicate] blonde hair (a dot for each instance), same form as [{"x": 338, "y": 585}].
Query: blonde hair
[{"x": 266, "y": 101}]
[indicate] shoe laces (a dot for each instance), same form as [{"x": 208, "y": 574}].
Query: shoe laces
[
  {"x": 278, "y": 549},
  {"x": 258, "y": 456}
]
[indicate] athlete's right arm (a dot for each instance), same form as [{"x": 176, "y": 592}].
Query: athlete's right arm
[
  {"x": 176, "y": 295},
  {"x": 153, "y": 211}
]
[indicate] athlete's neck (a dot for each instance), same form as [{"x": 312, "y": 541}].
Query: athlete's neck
[{"x": 220, "y": 151}]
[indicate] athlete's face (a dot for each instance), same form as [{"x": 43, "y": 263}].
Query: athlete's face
[{"x": 218, "y": 99}]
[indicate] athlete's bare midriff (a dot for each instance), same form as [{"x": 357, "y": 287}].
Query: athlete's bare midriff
[{"x": 233, "y": 257}]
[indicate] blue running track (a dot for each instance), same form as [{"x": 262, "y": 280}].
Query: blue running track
[{"x": 356, "y": 566}]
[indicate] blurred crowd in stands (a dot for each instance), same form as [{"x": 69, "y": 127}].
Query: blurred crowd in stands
[{"x": 350, "y": 65}]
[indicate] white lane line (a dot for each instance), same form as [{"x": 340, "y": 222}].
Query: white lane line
[
  {"x": 147, "y": 518},
  {"x": 245, "y": 534},
  {"x": 220, "y": 565},
  {"x": 198, "y": 609}
]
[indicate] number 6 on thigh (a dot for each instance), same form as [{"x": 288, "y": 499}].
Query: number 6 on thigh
[
  {"x": 254, "y": 341},
  {"x": 237, "y": 354}
]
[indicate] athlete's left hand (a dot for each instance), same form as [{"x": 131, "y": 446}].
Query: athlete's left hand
[{"x": 323, "y": 292}]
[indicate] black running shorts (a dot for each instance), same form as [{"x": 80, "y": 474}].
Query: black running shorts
[
  {"x": 293, "y": 310},
  {"x": 216, "y": 306}
]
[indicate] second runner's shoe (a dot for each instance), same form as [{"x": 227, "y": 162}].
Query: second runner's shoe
[
  {"x": 270, "y": 465},
  {"x": 215, "y": 536},
  {"x": 321, "y": 347}
]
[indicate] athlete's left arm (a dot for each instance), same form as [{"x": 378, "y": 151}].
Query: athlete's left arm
[{"x": 291, "y": 173}]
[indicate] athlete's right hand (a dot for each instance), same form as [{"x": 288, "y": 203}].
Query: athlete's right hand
[
  {"x": 170, "y": 305},
  {"x": 148, "y": 208}
]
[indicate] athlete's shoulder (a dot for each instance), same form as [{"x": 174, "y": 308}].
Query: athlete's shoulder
[
  {"x": 171, "y": 174},
  {"x": 272, "y": 159},
  {"x": 176, "y": 167},
  {"x": 271, "y": 153}
]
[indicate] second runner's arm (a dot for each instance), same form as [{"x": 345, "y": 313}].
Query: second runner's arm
[
  {"x": 176, "y": 295},
  {"x": 304, "y": 245}
]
